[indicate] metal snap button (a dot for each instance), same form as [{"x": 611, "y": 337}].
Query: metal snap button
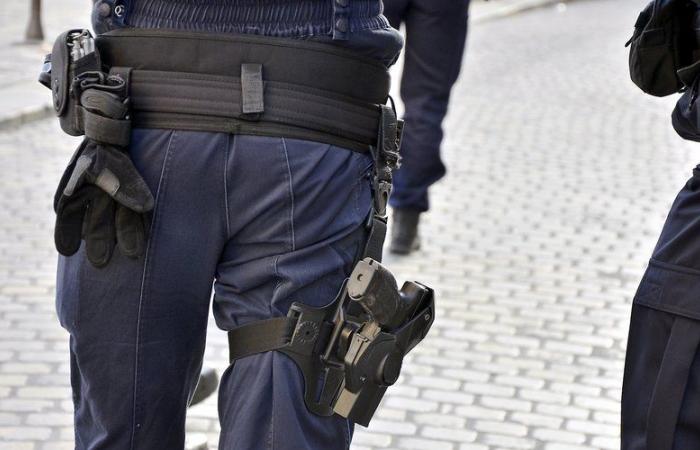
[
  {"x": 342, "y": 25},
  {"x": 104, "y": 10}
]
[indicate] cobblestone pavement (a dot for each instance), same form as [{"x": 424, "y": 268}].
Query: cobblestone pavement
[{"x": 561, "y": 173}]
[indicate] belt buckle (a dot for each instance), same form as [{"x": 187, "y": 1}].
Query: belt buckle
[{"x": 382, "y": 191}]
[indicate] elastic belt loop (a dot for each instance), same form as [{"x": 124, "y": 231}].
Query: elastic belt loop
[
  {"x": 252, "y": 98},
  {"x": 123, "y": 74},
  {"x": 386, "y": 157}
]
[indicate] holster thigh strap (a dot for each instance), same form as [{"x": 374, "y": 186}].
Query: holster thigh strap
[{"x": 259, "y": 337}]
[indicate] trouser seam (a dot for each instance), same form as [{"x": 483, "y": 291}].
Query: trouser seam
[
  {"x": 272, "y": 418},
  {"x": 144, "y": 278},
  {"x": 291, "y": 193},
  {"x": 227, "y": 156}
]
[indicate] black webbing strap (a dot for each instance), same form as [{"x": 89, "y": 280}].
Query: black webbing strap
[
  {"x": 102, "y": 114},
  {"x": 298, "y": 62},
  {"x": 671, "y": 382},
  {"x": 375, "y": 240},
  {"x": 104, "y": 129},
  {"x": 260, "y": 336},
  {"x": 386, "y": 160},
  {"x": 201, "y": 102}
]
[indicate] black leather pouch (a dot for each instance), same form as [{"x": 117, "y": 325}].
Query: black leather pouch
[
  {"x": 664, "y": 42},
  {"x": 69, "y": 60}
]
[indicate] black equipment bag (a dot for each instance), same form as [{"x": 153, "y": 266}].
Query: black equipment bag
[
  {"x": 661, "y": 389},
  {"x": 665, "y": 41}
]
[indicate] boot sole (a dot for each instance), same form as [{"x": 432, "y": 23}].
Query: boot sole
[{"x": 399, "y": 249}]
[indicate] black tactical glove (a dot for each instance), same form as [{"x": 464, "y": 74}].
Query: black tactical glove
[{"x": 101, "y": 198}]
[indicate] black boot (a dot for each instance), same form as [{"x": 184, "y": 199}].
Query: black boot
[
  {"x": 404, "y": 237},
  {"x": 208, "y": 382}
]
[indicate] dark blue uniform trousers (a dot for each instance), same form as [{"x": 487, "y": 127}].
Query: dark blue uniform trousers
[
  {"x": 266, "y": 221},
  {"x": 661, "y": 390},
  {"x": 436, "y": 31}
]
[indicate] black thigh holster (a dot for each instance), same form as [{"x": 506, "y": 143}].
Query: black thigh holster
[{"x": 351, "y": 350}]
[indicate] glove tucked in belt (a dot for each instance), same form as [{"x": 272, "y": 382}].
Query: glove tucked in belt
[{"x": 101, "y": 197}]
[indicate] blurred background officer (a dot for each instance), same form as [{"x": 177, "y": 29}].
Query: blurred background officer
[
  {"x": 661, "y": 387},
  {"x": 436, "y": 32},
  {"x": 270, "y": 220}
]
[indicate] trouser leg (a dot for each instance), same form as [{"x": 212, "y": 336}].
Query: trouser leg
[
  {"x": 296, "y": 211},
  {"x": 436, "y": 31},
  {"x": 395, "y": 11},
  {"x": 661, "y": 388},
  {"x": 138, "y": 326}
]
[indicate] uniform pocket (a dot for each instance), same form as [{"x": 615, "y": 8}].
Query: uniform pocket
[
  {"x": 679, "y": 243},
  {"x": 660, "y": 368}
]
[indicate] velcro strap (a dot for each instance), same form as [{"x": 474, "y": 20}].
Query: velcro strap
[
  {"x": 389, "y": 135},
  {"x": 103, "y": 129},
  {"x": 252, "y": 101},
  {"x": 259, "y": 337}
]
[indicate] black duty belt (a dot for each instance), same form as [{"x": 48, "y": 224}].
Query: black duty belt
[{"x": 249, "y": 85}]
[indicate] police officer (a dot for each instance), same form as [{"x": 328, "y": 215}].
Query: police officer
[
  {"x": 661, "y": 388},
  {"x": 145, "y": 229},
  {"x": 436, "y": 31}
]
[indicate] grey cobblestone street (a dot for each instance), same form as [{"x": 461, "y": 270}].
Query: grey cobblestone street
[{"x": 560, "y": 177}]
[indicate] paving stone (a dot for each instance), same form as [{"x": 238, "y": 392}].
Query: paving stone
[
  {"x": 421, "y": 444},
  {"x": 611, "y": 443},
  {"x": 17, "y": 446},
  {"x": 507, "y": 404},
  {"x": 592, "y": 427},
  {"x": 497, "y": 440},
  {"x": 562, "y": 436},
  {"x": 448, "y": 434},
  {"x": 23, "y": 433},
  {"x": 397, "y": 428},
  {"x": 536, "y": 420},
  {"x": 448, "y": 397},
  {"x": 510, "y": 429}
]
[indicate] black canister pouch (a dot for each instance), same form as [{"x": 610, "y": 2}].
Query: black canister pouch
[
  {"x": 67, "y": 64},
  {"x": 685, "y": 117},
  {"x": 664, "y": 42}
]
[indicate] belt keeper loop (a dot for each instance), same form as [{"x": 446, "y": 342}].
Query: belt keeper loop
[{"x": 252, "y": 98}]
